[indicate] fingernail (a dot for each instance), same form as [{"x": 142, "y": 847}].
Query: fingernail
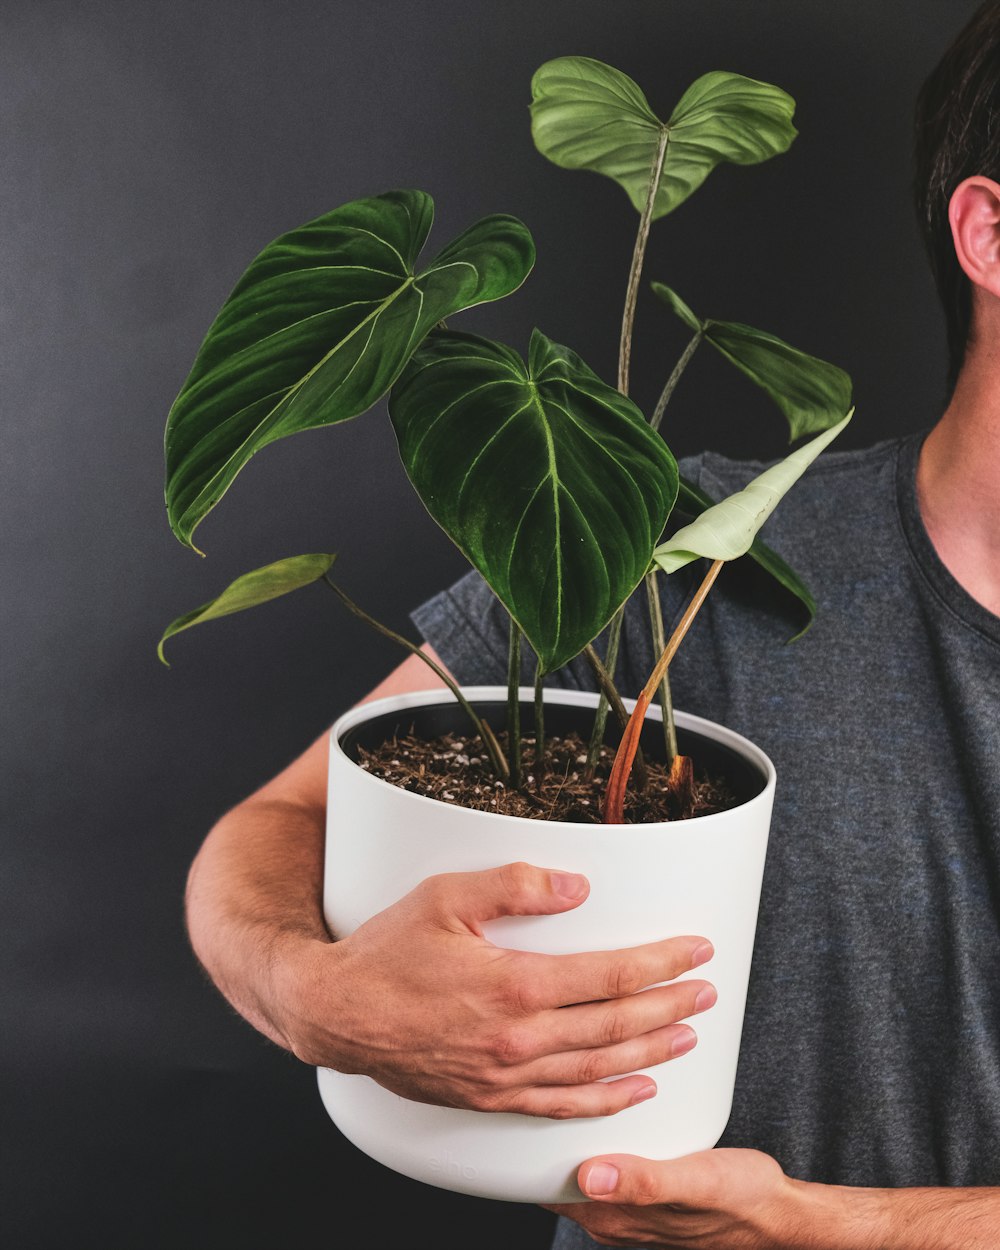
[
  {"x": 569, "y": 884},
  {"x": 702, "y": 954},
  {"x": 707, "y": 997},
  {"x": 601, "y": 1179},
  {"x": 684, "y": 1042},
  {"x": 643, "y": 1095}
]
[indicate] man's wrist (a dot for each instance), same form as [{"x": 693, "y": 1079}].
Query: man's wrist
[
  {"x": 300, "y": 972},
  {"x": 835, "y": 1217}
]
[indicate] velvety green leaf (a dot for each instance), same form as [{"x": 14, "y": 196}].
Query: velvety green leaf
[
  {"x": 812, "y": 393},
  {"x": 727, "y": 530},
  {"x": 551, "y": 483},
  {"x": 587, "y": 115},
  {"x": 318, "y": 329},
  {"x": 693, "y": 501},
  {"x": 259, "y": 586}
]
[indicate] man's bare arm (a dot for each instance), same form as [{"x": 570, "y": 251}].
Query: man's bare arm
[
  {"x": 417, "y": 998},
  {"x": 254, "y": 890}
]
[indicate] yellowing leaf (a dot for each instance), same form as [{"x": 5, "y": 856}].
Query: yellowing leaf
[{"x": 259, "y": 586}]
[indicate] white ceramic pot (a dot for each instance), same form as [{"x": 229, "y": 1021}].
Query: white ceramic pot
[{"x": 647, "y": 882}]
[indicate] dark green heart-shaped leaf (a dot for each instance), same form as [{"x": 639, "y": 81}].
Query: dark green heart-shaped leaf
[
  {"x": 812, "y": 393},
  {"x": 269, "y": 582},
  {"x": 587, "y": 115},
  {"x": 318, "y": 329},
  {"x": 692, "y": 500},
  {"x": 551, "y": 483}
]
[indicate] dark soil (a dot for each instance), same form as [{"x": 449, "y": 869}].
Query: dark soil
[{"x": 456, "y": 769}]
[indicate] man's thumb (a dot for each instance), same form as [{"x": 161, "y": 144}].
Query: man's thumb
[
  {"x": 514, "y": 890},
  {"x": 623, "y": 1179}
]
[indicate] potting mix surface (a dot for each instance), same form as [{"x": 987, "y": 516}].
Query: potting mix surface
[{"x": 456, "y": 769}]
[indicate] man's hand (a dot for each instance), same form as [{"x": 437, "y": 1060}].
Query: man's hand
[
  {"x": 713, "y": 1200},
  {"x": 742, "y": 1200},
  {"x": 419, "y": 1000}
]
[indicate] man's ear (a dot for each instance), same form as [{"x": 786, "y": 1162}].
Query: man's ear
[{"x": 974, "y": 213}]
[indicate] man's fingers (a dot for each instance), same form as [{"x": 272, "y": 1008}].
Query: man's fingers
[
  {"x": 556, "y": 1031},
  {"x": 579, "y": 1067},
  {"x": 563, "y": 1102},
  {"x": 611, "y": 1038},
  {"x": 563, "y": 980},
  {"x": 611, "y": 1022},
  {"x": 469, "y": 898}
]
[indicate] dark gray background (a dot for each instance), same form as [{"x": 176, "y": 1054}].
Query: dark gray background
[{"x": 148, "y": 151}]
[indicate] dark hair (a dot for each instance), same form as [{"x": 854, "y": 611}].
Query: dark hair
[{"x": 957, "y": 135}]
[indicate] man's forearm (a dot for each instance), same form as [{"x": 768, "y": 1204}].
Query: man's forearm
[
  {"x": 254, "y": 892},
  {"x": 842, "y": 1218}
]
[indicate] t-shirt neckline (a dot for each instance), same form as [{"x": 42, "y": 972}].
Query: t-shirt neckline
[{"x": 955, "y": 598}]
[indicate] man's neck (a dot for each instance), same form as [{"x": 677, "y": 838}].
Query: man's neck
[{"x": 958, "y": 481}]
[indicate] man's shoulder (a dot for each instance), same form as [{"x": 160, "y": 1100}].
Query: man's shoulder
[
  {"x": 845, "y": 501},
  {"x": 833, "y": 471},
  {"x": 841, "y": 489}
]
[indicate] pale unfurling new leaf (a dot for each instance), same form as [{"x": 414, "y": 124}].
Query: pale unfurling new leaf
[{"x": 726, "y": 531}]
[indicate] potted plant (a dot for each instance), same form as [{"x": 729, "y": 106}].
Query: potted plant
[{"x": 558, "y": 490}]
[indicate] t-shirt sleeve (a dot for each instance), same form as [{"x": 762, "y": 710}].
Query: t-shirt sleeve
[{"x": 467, "y": 626}]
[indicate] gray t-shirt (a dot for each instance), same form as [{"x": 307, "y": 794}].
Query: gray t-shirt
[{"x": 871, "y": 1045}]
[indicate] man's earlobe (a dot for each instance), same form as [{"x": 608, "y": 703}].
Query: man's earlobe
[{"x": 974, "y": 214}]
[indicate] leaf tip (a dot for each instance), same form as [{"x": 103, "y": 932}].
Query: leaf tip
[
  {"x": 182, "y": 533},
  {"x": 802, "y": 632}
]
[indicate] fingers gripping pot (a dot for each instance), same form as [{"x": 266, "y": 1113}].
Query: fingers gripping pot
[{"x": 647, "y": 882}]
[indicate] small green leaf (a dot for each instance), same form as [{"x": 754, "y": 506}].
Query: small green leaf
[
  {"x": 727, "y": 530},
  {"x": 259, "y": 586},
  {"x": 812, "y": 393},
  {"x": 587, "y": 115},
  {"x": 550, "y": 481},
  {"x": 692, "y": 500},
  {"x": 318, "y": 329},
  {"x": 678, "y": 307}
]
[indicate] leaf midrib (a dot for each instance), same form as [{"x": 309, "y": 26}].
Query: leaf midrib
[
  {"x": 297, "y": 386},
  {"x": 553, "y": 476}
]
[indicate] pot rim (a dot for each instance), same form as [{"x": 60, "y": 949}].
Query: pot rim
[{"x": 362, "y": 712}]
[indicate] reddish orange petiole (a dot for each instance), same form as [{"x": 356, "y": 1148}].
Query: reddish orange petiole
[{"x": 614, "y": 798}]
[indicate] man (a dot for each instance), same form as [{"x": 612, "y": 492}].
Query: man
[{"x": 867, "y": 1110}]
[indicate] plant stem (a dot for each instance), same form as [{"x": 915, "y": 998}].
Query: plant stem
[
  {"x": 617, "y": 706},
  {"x": 652, "y": 591},
  {"x": 614, "y": 799},
  {"x": 638, "y": 256},
  {"x": 624, "y": 360},
  {"x": 539, "y": 726},
  {"x": 659, "y": 644},
  {"x": 514, "y": 704},
  {"x": 495, "y": 751},
  {"x": 601, "y": 715},
  {"x": 683, "y": 625},
  {"x": 674, "y": 378}
]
